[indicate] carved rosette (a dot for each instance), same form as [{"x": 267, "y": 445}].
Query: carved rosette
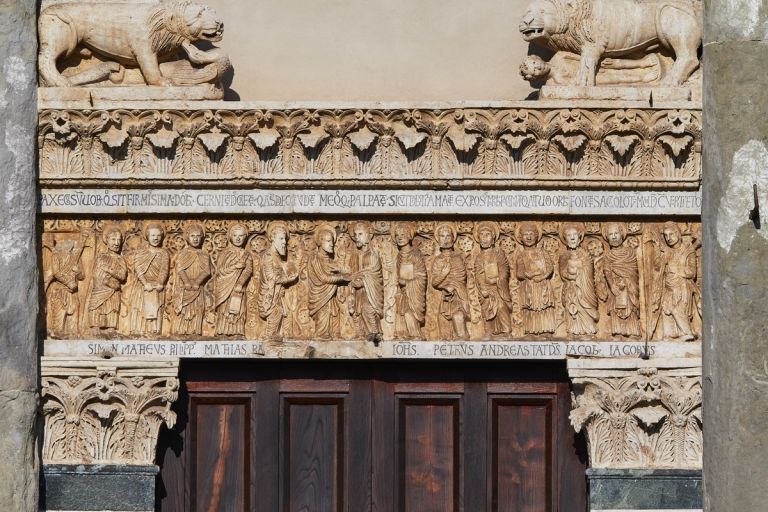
[
  {"x": 491, "y": 147},
  {"x": 639, "y": 418},
  {"x": 106, "y": 411}
]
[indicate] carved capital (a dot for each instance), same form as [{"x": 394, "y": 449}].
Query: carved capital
[
  {"x": 641, "y": 415},
  {"x": 106, "y": 411}
]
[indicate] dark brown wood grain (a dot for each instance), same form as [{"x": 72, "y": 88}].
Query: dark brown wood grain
[
  {"x": 313, "y": 450},
  {"x": 428, "y": 461},
  {"x": 372, "y": 437},
  {"x": 522, "y": 454},
  {"x": 221, "y": 443}
]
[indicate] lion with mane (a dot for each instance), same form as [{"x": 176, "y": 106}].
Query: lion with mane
[
  {"x": 142, "y": 34},
  {"x": 594, "y": 29}
]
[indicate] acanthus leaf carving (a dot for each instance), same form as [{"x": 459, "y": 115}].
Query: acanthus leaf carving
[
  {"x": 106, "y": 411},
  {"x": 644, "y": 418},
  {"x": 498, "y": 146}
]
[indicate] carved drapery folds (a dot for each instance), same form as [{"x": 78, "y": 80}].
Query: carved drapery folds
[
  {"x": 105, "y": 411},
  {"x": 645, "y": 417},
  {"x": 492, "y": 147},
  {"x": 355, "y": 280}
]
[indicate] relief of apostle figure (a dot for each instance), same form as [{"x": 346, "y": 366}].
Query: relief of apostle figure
[
  {"x": 193, "y": 268},
  {"x": 61, "y": 284},
  {"x": 234, "y": 267},
  {"x": 492, "y": 277},
  {"x": 151, "y": 268},
  {"x": 367, "y": 300},
  {"x": 534, "y": 270},
  {"x": 109, "y": 275},
  {"x": 577, "y": 270},
  {"x": 411, "y": 297},
  {"x": 619, "y": 284},
  {"x": 673, "y": 302},
  {"x": 276, "y": 274},
  {"x": 324, "y": 277},
  {"x": 449, "y": 276}
]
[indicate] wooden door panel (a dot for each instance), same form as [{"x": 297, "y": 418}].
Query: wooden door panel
[
  {"x": 521, "y": 453},
  {"x": 372, "y": 437},
  {"x": 221, "y": 441},
  {"x": 429, "y": 454},
  {"x": 313, "y": 448}
]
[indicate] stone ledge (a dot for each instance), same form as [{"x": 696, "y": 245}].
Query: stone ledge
[
  {"x": 102, "y": 103},
  {"x": 140, "y": 353}
]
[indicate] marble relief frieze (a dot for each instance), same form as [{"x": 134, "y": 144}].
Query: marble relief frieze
[
  {"x": 371, "y": 280},
  {"x": 545, "y": 147}
]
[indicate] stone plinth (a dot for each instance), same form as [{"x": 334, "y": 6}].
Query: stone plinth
[
  {"x": 98, "y": 487},
  {"x": 675, "y": 490}
]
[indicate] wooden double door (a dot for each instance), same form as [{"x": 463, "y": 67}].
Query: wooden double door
[{"x": 379, "y": 437}]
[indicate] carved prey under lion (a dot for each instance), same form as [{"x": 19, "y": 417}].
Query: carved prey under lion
[
  {"x": 595, "y": 29},
  {"x": 95, "y": 43}
]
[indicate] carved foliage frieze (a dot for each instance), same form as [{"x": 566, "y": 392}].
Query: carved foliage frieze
[
  {"x": 398, "y": 147},
  {"x": 373, "y": 279},
  {"x": 646, "y": 418},
  {"x": 107, "y": 412}
]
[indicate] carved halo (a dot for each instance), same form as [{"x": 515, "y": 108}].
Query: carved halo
[
  {"x": 324, "y": 228},
  {"x": 525, "y": 226},
  {"x": 440, "y": 226},
  {"x": 109, "y": 229},
  {"x": 622, "y": 229},
  {"x": 487, "y": 225},
  {"x": 153, "y": 225},
  {"x": 578, "y": 226},
  {"x": 274, "y": 226},
  {"x": 410, "y": 227}
]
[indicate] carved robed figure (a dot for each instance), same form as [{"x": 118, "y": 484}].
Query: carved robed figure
[
  {"x": 619, "y": 282},
  {"x": 234, "y": 268},
  {"x": 675, "y": 292},
  {"x": 62, "y": 286},
  {"x": 151, "y": 268},
  {"x": 325, "y": 277},
  {"x": 449, "y": 276},
  {"x": 276, "y": 274},
  {"x": 193, "y": 268},
  {"x": 492, "y": 278},
  {"x": 109, "y": 275},
  {"x": 367, "y": 300},
  {"x": 534, "y": 270},
  {"x": 577, "y": 270},
  {"x": 411, "y": 296}
]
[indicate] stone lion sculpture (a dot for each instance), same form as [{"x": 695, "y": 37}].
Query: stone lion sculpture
[
  {"x": 136, "y": 34},
  {"x": 594, "y": 29}
]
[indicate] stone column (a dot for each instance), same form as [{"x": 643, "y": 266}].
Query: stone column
[
  {"x": 18, "y": 264},
  {"x": 642, "y": 422},
  {"x": 102, "y": 419},
  {"x": 735, "y": 255}
]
